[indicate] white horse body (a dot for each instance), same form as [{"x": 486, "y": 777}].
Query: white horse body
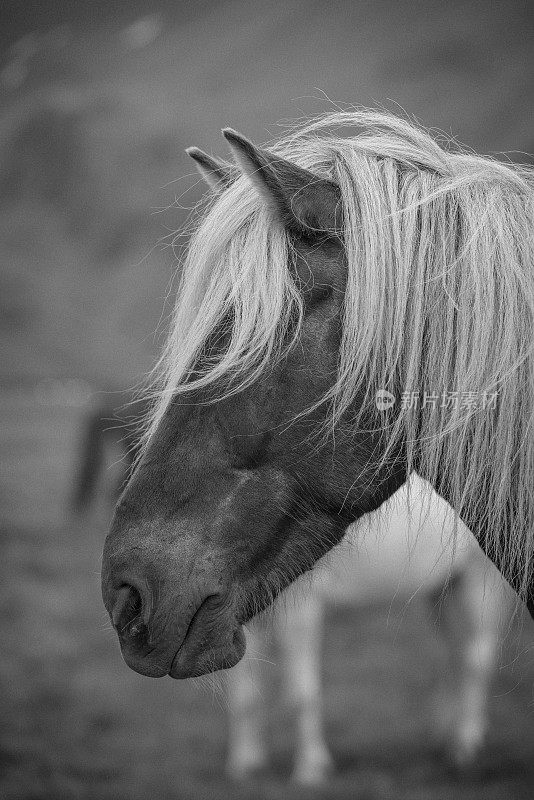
[{"x": 407, "y": 548}]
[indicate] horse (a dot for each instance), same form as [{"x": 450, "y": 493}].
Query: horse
[
  {"x": 356, "y": 305},
  {"x": 110, "y": 424},
  {"x": 407, "y": 554}
]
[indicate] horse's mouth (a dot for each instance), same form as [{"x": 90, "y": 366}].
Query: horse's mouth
[
  {"x": 199, "y": 654},
  {"x": 214, "y": 640}
]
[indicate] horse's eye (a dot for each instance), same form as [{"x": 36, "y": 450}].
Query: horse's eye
[
  {"x": 246, "y": 461},
  {"x": 310, "y": 237},
  {"x": 247, "y": 452},
  {"x": 317, "y": 294}
]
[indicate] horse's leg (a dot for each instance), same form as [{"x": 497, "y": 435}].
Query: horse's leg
[
  {"x": 472, "y": 614},
  {"x": 91, "y": 461},
  {"x": 246, "y": 748},
  {"x": 483, "y": 602},
  {"x": 301, "y": 640}
]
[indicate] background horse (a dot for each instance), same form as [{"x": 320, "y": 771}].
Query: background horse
[
  {"x": 331, "y": 280},
  {"x": 409, "y": 553},
  {"x": 109, "y": 428}
]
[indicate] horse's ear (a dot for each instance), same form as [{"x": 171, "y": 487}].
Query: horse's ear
[
  {"x": 217, "y": 174},
  {"x": 305, "y": 202}
]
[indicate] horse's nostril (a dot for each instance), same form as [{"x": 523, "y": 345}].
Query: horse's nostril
[{"x": 127, "y": 612}]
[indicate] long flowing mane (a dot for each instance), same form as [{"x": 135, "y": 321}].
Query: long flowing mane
[{"x": 439, "y": 302}]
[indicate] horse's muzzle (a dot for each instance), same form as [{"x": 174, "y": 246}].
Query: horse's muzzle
[{"x": 170, "y": 634}]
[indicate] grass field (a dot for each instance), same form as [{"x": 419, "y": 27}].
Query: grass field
[{"x": 76, "y": 723}]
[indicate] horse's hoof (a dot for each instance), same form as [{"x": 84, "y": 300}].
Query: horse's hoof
[
  {"x": 244, "y": 769},
  {"x": 313, "y": 771},
  {"x": 465, "y": 754}
]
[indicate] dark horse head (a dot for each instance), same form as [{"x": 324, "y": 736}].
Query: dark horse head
[{"x": 268, "y": 439}]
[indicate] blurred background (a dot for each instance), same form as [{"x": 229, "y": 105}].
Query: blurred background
[{"x": 97, "y": 102}]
